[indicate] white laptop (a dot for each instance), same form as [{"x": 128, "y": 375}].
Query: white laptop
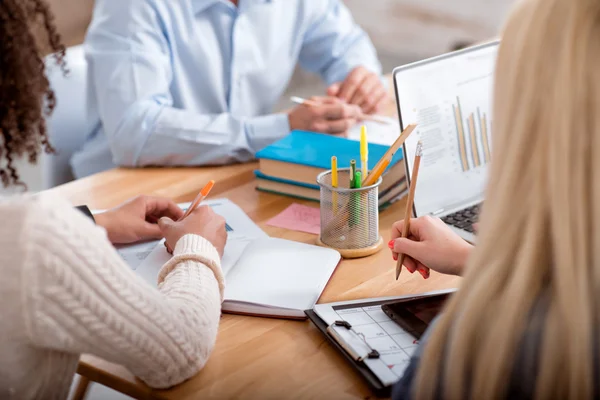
[{"x": 450, "y": 98}]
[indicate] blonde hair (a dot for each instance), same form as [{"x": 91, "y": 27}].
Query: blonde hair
[{"x": 540, "y": 225}]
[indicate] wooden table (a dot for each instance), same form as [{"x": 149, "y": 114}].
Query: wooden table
[{"x": 255, "y": 358}]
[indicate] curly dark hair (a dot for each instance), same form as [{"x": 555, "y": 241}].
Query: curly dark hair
[{"x": 26, "y": 98}]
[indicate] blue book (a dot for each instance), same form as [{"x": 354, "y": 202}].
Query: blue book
[{"x": 301, "y": 156}]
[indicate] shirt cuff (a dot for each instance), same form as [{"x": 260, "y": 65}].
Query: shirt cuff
[
  {"x": 263, "y": 131},
  {"x": 195, "y": 248}
]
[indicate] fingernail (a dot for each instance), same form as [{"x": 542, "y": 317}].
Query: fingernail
[
  {"x": 395, "y": 256},
  {"x": 391, "y": 244},
  {"x": 422, "y": 272}
]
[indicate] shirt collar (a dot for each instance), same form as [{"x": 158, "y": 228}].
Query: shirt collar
[{"x": 202, "y": 5}]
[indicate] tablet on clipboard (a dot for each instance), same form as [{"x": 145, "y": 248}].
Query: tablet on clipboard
[
  {"x": 415, "y": 315},
  {"x": 377, "y": 347}
]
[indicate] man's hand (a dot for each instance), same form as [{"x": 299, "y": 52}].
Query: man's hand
[
  {"x": 136, "y": 220},
  {"x": 362, "y": 88},
  {"x": 331, "y": 116}
]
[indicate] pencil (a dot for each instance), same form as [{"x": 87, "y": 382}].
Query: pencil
[
  {"x": 387, "y": 157},
  {"x": 353, "y": 174},
  {"x": 334, "y": 183},
  {"x": 409, "y": 203},
  {"x": 364, "y": 151},
  {"x": 373, "y": 175},
  {"x": 365, "y": 117}
]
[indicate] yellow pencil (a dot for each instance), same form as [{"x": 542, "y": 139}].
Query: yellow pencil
[
  {"x": 364, "y": 151},
  {"x": 334, "y": 182}
]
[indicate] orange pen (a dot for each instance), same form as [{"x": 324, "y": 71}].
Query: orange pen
[{"x": 201, "y": 196}]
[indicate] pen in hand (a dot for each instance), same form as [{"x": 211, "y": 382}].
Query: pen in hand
[
  {"x": 199, "y": 198},
  {"x": 365, "y": 117},
  {"x": 409, "y": 203}
]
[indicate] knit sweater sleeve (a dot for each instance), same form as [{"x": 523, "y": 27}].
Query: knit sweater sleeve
[{"x": 80, "y": 297}]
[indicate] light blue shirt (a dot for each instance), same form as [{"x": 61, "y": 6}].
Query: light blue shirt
[{"x": 194, "y": 82}]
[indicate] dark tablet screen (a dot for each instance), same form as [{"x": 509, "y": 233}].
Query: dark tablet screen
[{"x": 415, "y": 315}]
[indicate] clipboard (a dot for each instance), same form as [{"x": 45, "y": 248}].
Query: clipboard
[
  {"x": 372, "y": 381},
  {"x": 339, "y": 324}
]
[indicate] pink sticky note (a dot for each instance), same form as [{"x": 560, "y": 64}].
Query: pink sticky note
[{"x": 298, "y": 218}]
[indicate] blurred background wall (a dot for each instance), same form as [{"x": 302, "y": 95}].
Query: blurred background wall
[
  {"x": 402, "y": 31},
  {"x": 409, "y": 29}
]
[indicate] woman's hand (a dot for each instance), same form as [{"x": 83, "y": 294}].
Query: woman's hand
[
  {"x": 430, "y": 244},
  {"x": 136, "y": 220},
  {"x": 202, "y": 221}
]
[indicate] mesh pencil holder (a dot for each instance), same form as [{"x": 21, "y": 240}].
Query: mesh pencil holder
[{"x": 349, "y": 217}]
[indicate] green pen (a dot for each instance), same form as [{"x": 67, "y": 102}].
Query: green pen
[
  {"x": 353, "y": 174},
  {"x": 356, "y": 199},
  {"x": 357, "y": 180}
]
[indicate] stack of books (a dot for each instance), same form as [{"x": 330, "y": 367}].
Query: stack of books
[{"x": 291, "y": 165}]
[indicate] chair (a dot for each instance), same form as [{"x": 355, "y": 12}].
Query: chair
[{"x": 71, "y": 121}]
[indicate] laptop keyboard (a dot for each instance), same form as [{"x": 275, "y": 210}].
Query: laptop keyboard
[{"x": 463, "y": 219}]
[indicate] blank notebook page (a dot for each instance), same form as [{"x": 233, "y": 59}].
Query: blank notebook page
[{"x": 281, "y": 273}]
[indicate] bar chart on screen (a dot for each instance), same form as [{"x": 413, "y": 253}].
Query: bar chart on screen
[
  {"x": 472, "y": 134},
  {"x": 450, "y": 100}
]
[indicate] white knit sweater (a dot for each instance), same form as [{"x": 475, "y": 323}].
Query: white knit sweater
[{"x": 65, "y": 291}]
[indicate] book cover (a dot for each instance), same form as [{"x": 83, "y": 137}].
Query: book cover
[{"x": 316, "y": 149}]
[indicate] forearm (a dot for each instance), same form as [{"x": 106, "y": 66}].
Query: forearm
[
  {"x": 334, "y": 44},
  {"x": 84, "y": 299},
  {"x": 171, "y": 137}
]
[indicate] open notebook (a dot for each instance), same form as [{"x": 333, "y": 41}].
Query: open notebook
[{"x": 264, "y": 276}]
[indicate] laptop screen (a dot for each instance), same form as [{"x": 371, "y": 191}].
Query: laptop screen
[{"x": 450, "y": 98}]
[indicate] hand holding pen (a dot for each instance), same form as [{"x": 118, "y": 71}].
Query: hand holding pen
[
  {"x": 430, "y": 244},
  {"x": 409, "y": 204},
  {"x": 199, "y": 198}
]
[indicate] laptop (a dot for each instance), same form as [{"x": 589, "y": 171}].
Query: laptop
[{"x": 450, "y": 98}]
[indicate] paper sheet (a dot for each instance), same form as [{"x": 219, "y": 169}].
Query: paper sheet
[
  {"x": 136, "y": 253},
  {"x": 147, "y": 258},
  {"x": 385, "y": 134},
  {"x": 298, "y": 218}
]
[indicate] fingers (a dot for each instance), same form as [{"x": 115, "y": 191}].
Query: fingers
[
  {"x": 424, "y": 271},
  {"x": 334, "y": 127},
  {"x": 375, "y": 101},
  {"x": 149, "y": 231},
  {"x": 351, "y": 83},
  {"x": 411, "y": 248},
  {"x": 334, "y": 117},
  {"x": 397, "y": 229},
  {"x": 410, "y": 264},
  {"x": 368, "y": 86},
  {"x": 325, "y": 100},
  {"x": 340, "y": 111},
  {"x": 165, "y": 223},
  {"x": 333, "y": 90},
  {"x": 413, "y": 266},
  {"x": 203, "y": 212},
  {"x": 158, "y": 207}
]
